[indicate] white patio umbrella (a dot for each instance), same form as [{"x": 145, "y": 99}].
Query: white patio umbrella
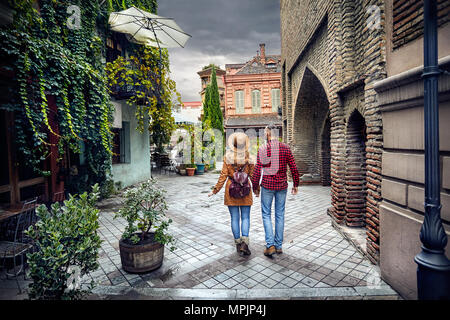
[{"x": 149, "y": 29}]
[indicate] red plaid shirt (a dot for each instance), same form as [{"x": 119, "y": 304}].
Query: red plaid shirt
[{"x": 274, "y": 159}]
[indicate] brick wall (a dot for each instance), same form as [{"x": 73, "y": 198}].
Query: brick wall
[
  {"x": 331, "y": 40},
  {"x": 408, "y": 19}
]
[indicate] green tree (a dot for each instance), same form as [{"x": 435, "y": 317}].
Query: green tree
[
  {"x": 215, "y": 112},
  {"x": 206, "y": 104},
  {"x": 211, "y": 65}
]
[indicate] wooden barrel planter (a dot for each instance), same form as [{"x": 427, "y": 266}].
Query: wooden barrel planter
[{"x": 140, "y": 258}]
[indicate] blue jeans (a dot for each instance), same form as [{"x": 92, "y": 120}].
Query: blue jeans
[
  {"x": 240, "y": 214},
  {"x": 267, "y": 196}
]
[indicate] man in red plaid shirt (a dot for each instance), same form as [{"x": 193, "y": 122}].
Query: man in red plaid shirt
[{"x": 272, "y": 160}]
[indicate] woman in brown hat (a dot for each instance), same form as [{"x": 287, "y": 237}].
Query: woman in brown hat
[{"x": 239, "y": 200}]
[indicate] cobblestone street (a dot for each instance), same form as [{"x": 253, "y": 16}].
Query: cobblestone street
[{"x": 317, "y": 263}]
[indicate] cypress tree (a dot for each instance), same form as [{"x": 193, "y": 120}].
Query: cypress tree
[
  {"x": 215, "y": 113},
  {"x": 206, "y": 109}
]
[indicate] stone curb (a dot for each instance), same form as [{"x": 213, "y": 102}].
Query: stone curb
[{"x": 235, "y": 294}]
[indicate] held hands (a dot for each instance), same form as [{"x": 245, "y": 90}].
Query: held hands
[
  {"x": 294, "y": 190},
  {"x": 257, "y": 193}
]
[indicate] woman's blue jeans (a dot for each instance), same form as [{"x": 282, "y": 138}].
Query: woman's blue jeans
[{"x": 240, "y": 215}]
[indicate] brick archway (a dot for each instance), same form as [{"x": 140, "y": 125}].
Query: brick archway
[
  {"x": 355, "y": 170},
  {"x": 311, "y": 136}
]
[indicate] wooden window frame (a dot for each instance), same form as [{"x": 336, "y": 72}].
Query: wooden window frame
[{"x": 256, "y": 106}]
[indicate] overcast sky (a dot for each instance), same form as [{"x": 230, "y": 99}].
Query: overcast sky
[{"x": 223, "y": 31}]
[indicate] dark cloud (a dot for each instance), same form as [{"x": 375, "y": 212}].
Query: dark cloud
[{"x": 223, "y": 31}]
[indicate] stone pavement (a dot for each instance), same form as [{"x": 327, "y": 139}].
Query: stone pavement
[{"x": 317, "y": 263}]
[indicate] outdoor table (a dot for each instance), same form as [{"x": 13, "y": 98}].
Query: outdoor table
[{"x": 6, "y": 214}]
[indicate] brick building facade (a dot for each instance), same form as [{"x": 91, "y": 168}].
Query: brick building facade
[
  {"x": 330, "y": 60},
  {"x": 253, "y": 92},
  {"x": 334, "y": 55},
  {"x": 400, "y": 99}
]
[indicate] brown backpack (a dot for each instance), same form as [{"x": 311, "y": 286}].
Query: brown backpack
[{"x": 240, "y": 185}]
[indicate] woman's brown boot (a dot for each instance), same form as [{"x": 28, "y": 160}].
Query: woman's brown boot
[
  {"x": 244, "y": 246},
  {"x": 238, "y": 245}
]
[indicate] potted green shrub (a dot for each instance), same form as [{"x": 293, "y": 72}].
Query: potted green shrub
[
  {"x": 142, "y": 243},
  {"x": 67, "y": 243}
]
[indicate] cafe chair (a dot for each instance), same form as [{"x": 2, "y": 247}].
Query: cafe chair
[
  {"x": 20, "y": 244},
  {"x": 59, "y": 197}
]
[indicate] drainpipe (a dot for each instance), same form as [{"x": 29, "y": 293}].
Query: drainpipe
[{"x": 433, "y": 271}]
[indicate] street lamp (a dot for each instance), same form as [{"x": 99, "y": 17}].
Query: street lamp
[{"x": 433, "y": 271}]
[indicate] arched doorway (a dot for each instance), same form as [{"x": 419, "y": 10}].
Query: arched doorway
[
  {"x": 355, "y": 170},
  {"x": 311, "y": 138}
]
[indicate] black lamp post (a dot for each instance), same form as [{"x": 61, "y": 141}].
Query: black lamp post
[{"x": 433, "y": 271}]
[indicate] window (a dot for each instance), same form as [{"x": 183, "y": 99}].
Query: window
[
  {"x": 121, "y": 144},
  {"x": 113, "y": 50},
  {"x": 239, "y": 101},
  {"x": 256, "y": 101},
  {"x": 275, "y": 100}
]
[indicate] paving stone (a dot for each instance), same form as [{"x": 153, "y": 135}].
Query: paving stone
[
  {"x": 297, "y": 276},
  {"x": 286, "y": 272},
  {"x": 269, "y": 283},
  {"x": 210, "y": 283},
  {"x": 259, "y": 277},
  {"x": 351, "y": 280},
  {"x": 240, "y": 277},
  {"x": 249, "y": 272},
  {"x": 309, "y": 281},
  {"x": 249, "y": 283},
  {"x": 221, "y": 277},
  {"x": 267, "y": 272},
  {"x": 229, "y": 283},
  {"x": 317, "y": 276},
  {"x": 290, "y": 282}
]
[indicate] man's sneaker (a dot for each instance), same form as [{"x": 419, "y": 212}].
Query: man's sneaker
[
  {"x": 269, "y": 251},
  {"x": 279, "y": 251}
]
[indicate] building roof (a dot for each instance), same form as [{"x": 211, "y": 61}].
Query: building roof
[
  {"x": 234, "y": 65},
  {"x": 252, "y": 120},
  {"x": 256, "y": 65},
  {"x": 208, "y": 71},
  {"x": 192, "y": 104}
]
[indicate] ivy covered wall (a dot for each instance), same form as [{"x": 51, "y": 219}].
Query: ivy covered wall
[{"x": 47, "y": 57}]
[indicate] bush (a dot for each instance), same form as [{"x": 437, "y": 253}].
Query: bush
[
  {"x": 67, "y": 243},
  {"x": 144, "y": 208}
]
